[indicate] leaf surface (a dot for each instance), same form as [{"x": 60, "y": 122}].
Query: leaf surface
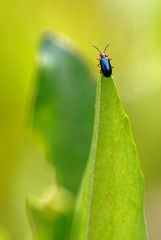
[{"x": 111, "y": 203}]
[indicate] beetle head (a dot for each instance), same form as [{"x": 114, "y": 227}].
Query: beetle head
[{"x": 103, "y": 55}]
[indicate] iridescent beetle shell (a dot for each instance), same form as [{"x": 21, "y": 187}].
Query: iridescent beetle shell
[{"x": 105, "y": 64}]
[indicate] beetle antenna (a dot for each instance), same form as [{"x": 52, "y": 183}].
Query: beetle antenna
[
  {"x": 106, "y": 47},
  {"x": 96, "y": 48}
]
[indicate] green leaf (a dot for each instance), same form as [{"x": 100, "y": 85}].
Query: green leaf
[
  {"x": 64, "y": 108},
  {"x": 111, "y": 204},
  {"x": 62, "y": 117}
]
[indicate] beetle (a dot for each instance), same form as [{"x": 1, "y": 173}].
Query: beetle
[{"x": 105, "y": 64}]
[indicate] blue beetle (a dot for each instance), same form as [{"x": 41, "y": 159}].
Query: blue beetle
[{"x": 105, "y": 64}]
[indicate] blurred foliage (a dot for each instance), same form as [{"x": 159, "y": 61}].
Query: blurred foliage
[
  {"x": 4, "y": 235},
  {"x": 135, "y": 47},
  {"x": 51, "y": 215},
  {"x": 64, "y": 109}
]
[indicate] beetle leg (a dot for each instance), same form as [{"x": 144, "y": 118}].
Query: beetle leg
[
  {"x": 110, "y": 59},
  {"x": 97, "y": 58},
  {"x": 98, "y": 65},
  {"x": 112, "y": 66}
]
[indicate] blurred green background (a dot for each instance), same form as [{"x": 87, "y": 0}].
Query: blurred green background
[{"x": 133, "y": 30}]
